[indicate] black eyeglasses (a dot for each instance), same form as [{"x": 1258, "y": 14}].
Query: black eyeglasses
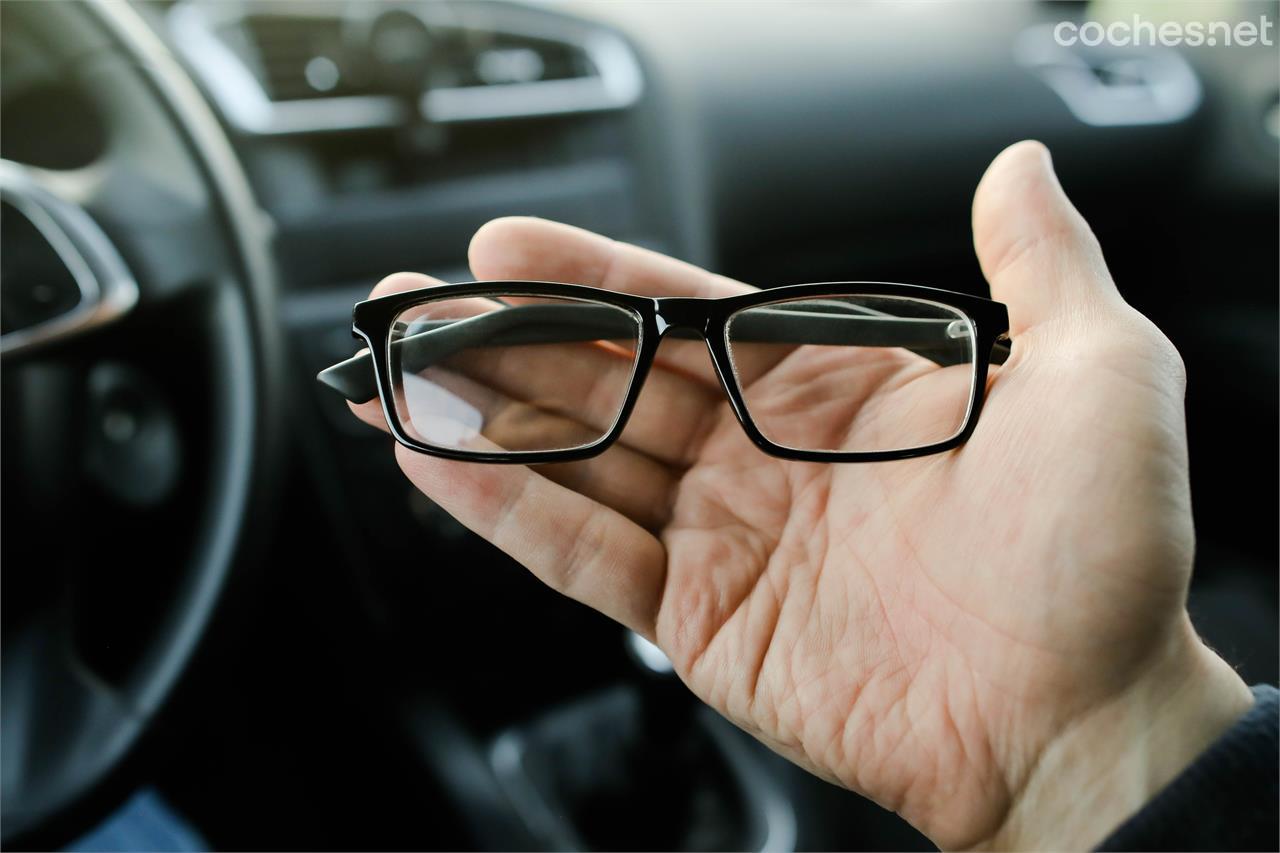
[{"x": 532, "y": 372}]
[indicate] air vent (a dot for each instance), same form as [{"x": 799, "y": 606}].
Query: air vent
[
  {"x": 1112, "y": 86},
  {"x": 275, "y": 68},
  {"x": 504, "y": 59},
  {"x": 300, "y": 57}
]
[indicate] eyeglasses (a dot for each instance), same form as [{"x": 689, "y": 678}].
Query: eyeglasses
[{"x": 533, "y": 372}]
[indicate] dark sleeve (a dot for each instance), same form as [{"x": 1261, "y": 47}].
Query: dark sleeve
[{"x": 1226, "y": 800}]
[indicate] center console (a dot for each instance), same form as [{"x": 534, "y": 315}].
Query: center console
[{"x": 641, "y": 766}]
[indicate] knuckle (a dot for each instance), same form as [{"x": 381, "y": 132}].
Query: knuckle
[{"x": 1151, "y": 340}]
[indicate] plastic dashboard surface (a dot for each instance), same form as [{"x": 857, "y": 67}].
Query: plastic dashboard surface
[{"x": 716, "y": 130}]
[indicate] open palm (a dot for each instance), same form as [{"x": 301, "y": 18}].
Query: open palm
[{"x": 918, "y": 630}]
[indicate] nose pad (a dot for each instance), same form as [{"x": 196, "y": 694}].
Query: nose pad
[
  {"x": 682, "y": 348},
  {"x": 682, "y": 313},
  {"x": 683, "y": 352}
]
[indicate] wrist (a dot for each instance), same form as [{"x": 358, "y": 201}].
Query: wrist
[{"x": 1113, "y": 759}]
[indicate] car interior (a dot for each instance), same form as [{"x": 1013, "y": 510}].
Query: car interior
[{"x": 217, "y": 583}]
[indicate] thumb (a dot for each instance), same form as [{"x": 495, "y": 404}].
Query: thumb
[{"x": 1035, "y": 248}]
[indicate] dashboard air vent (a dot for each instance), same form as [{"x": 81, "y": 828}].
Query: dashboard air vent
[
  {"x": 313, "y": 66},
  {"x": 502, "y": 58},
  {"x": 299, "y": 57}
]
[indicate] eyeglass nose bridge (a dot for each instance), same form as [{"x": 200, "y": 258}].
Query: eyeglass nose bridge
[{"x": 685, "y": 312}]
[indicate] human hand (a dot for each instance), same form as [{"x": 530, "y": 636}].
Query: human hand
[{"x": 992, "y": 641}]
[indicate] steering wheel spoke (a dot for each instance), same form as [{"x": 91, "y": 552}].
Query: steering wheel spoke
[
  {"x": 62, "y": 276},
  {"x": 140, "y": 359},
  {"x": 49, "y": 699}
]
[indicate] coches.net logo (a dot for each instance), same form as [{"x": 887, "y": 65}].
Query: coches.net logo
[{"x": 1137, "y": 31}]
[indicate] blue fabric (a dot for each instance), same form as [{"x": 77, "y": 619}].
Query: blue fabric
[
  {"x": 1227, "y": 798},
  {"x": 144, "y": 824}
]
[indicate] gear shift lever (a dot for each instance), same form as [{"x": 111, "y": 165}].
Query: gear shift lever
[{"x": 639, "y": 767}]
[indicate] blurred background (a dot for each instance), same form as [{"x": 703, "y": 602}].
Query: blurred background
[{"x": 374, "y": 676}]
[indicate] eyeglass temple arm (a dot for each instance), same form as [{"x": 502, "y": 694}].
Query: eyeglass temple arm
[{"x": 540, "y": 324}]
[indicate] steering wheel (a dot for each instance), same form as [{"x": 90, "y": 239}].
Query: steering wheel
[{"x": 139, "y": 430}]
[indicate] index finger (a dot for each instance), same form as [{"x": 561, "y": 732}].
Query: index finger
[
  {"x": 573, "y": 543},
  {"x": 524, "y": 248},
  {"x": 520, "y": 247}
]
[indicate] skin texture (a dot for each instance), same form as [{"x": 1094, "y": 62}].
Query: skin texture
[{"x": 957, "y": 636}]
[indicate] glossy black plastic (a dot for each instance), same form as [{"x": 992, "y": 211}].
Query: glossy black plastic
[{"x": 372, "y": 321}]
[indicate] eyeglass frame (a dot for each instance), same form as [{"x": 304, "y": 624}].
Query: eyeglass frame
[{"x": 373, "y": 320}]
